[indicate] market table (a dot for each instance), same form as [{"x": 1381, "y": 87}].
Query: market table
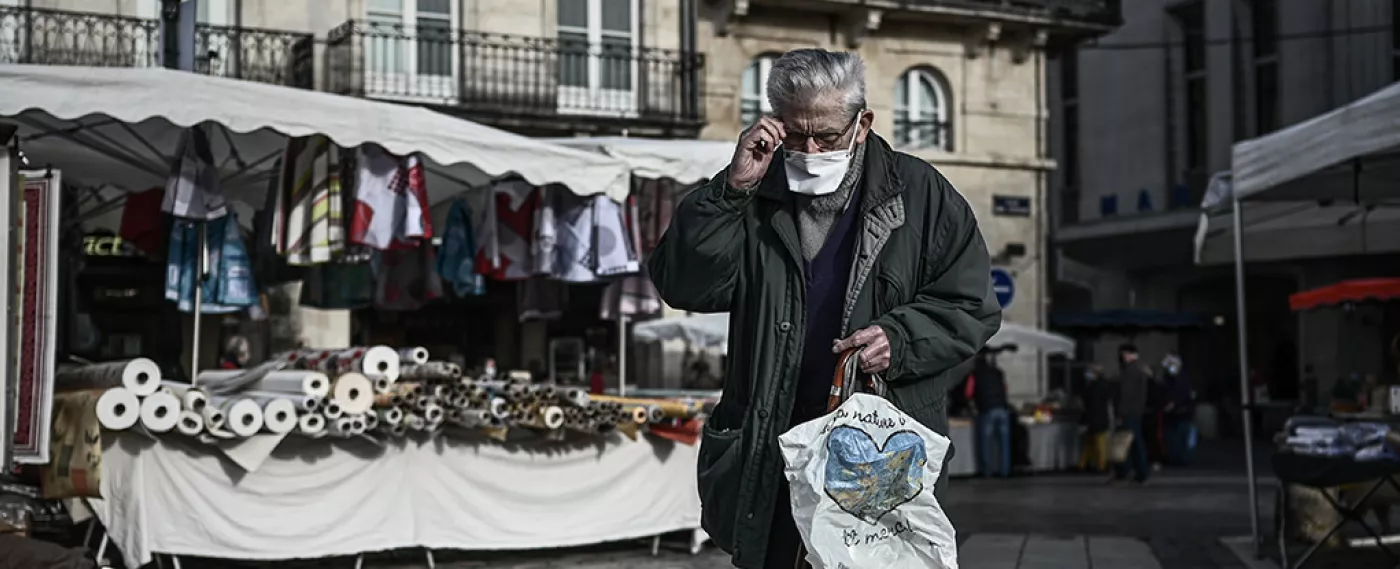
[
  {"x": 324, "y": 498},
  {"x": 1323, "y": 472}
]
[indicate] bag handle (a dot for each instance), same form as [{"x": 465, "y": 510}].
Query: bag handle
[{"x": 846, "y": 381}]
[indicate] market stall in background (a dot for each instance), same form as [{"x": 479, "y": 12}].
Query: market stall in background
[{"x": 421, "y": 309}]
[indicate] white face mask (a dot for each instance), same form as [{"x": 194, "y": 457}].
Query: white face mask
[{"x": 821, "y": 173}]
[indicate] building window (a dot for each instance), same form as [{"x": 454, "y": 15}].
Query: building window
[
  {"x": 597, "y": 61},
  {"x": 1264, "y": 42},
  {"x": 754, "y": 99},
  {"x": 921, "y": 110},
  {"x": 1069, "y": 118},
  {"x": 1191, "y": 21},
  {"x": 410, "y": 39}
]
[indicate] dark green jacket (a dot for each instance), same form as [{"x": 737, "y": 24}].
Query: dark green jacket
[{"x": 921, "y": 271}]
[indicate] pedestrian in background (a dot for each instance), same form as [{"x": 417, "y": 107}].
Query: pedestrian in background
[
  {"x": 818, "y": 239},
  {"x": 1130, "y": 408},
  {"x": 993, "y": 416},
  {"x": 1180, "y": 412},
  {"x": 1097, "y": 420},
  {"x": 237, "y": 352}
]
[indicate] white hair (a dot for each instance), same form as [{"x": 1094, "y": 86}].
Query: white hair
[{"x": 802, "y": 77}]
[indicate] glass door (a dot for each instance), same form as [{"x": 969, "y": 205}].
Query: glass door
[
  {"x": 411, "y": 49},
  {"x": 598, "y": 57}
]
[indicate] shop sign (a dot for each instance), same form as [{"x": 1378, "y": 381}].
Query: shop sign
[
  {"x": 108, "y": 246},
  {"x": 1011, "y": 206}
]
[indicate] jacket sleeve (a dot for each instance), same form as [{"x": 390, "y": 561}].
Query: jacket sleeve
[
  {"x": 955, "y": 312},
  {"x": 694, "y": 266}
]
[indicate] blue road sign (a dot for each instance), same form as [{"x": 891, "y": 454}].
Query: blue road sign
[{"x": 1004, "y": 286}]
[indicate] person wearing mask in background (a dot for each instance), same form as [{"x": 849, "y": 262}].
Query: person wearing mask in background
[
  {"x": 993, "y": 416},
  {"x": 818, "y": 238},
  {"x": 1180, "y": 411},
  {"x": 1129, "y": 408},
  {"x": 1097, "y": 420},
  {"x": 236, "y": 353},
  {"x": 1154, "y": 420}
]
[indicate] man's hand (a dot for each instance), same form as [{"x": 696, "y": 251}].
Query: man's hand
[
  {"x": 876, "y": 356},
  {"x": 755, "y": 151}
]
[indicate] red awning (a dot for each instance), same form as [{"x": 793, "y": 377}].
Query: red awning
[{"x": 1360, "y": 290}]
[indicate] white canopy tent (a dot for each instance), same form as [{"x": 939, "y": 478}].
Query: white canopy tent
[
  {"x": 1342, "y": 168},
  {"x": 685, "y": 161},
  {"x": 123, "y": 127},
  {"x": 698, "y": 330},
  {"x": 1026, "y": 337}
]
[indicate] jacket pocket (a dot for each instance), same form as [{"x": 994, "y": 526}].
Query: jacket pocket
[{"x": 720, "y": 466}]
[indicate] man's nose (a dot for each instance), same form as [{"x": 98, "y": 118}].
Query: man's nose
[{"x": 810, "y": 146}]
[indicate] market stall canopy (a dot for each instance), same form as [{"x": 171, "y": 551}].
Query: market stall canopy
[
  {"x": 1345, "y": 292},
  {"x": 1280, "y": 231},
  {"x": 1127, "y": 321},
  {"x": 698, "y": 330},
  {"x": 1026, "y": 337},
  {"x": 1349, "y": 154},
  {"x": 685, "y": 161},
  {"x": 121, "y": 127}
]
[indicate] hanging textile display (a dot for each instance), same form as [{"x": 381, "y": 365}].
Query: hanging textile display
[
  {"x": 634, "y": 295},
  {"x": 36, "y": 249},
  {"x": 346, "y": 284},
  {"x": 612, "y": 251},
  {"x": 506, "y": 242},
  {"x": 192, "y": 191},
  {"x": 456, "y": 257},
  {"x": 228, "y": 285},
  {"x": 391, "y": 200},
  {"x": 307, "y": 224},
  {"x": 406, "y": 279}
]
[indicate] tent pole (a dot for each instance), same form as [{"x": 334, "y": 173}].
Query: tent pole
[
  {"x": 199, "y": 267},
  {"x": 1246, "y": 401}
]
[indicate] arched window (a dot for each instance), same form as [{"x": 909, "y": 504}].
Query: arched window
[
  {"x": 922, "y": 109},
  {"x": 754, "y": 98}
]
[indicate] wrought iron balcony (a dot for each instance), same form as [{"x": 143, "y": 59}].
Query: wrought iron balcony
[
  {"x": 56, "y": 37},
  {"x": 531, "y": 85}
]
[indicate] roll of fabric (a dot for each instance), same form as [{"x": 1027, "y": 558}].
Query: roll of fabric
[
  {"x": 243, "y": 416},
  {"x": 670, "y": 409},
  {"x": 191, "y": 423},
  {"x": 416, "y": 355},
  {"x": 160, "y": 411},
  {"x": 429, "y": 371},
  {"x": 213, "y": 418},
  {"x": 353, "y": 392},
  {"x": 379, "y": 360},
  {"x": 140, "y": 376},
  {"x": 302, "y": 382},
  {"x": 118, "y": 409},
  {"x": 279, "y": 413},
  {"x": 191, "y": 398},
  {"x": 311, "y": 425},
  {"x": 332, "y": 411}
]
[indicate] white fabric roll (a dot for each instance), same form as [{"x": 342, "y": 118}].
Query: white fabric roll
[
  {"x": 381, "y": 360},
  {"x": 141, "y": 376},
  {"x": 279, "y": 414},
  {"x": 191, "y": 423},
  {"x": 160, "y": 411},
  {"x": 354, "y": 392},
  {"x": 298, "y": 401},
  {"x": 392, "y": 416},
  {"x": 553, "y": 417},
  {"x": 331, "y": 410},
  {"x": 382, "y": 384},
  {"x": 213, "y": 418},
  {"x": 417, "y": 355},
  {"x": 303, "y": 382},
  {"x": 118, "y": 409},
  {"x": 432, "y": 414},
  {"x": 311, "y": 424},
  {"x": 242, "y": 415},
  {"x": 191, "y": 398},
  {"x": 499, "y": 408},
  {"x": 342, "y": 427}
]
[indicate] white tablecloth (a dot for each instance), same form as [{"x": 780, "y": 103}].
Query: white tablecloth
[{"x": 319, "y": 498}]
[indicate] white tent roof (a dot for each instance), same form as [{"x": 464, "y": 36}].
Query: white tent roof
[
  {"x": 1027, "y": 337},
  {"x": 698, "y": 330},
  {"x": 685, "y": 161},
  {"x": 1324, "y": 187},
  {"x": 1313, "y": 159},
  {"x": 121, "y": 127}
]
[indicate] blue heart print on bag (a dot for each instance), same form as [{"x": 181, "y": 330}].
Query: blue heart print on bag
[{"x": 868, "y": 481}]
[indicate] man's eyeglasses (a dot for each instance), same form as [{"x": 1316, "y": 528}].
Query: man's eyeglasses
[{"x": 826, "y": 141}]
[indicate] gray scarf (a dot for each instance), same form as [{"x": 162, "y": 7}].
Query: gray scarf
[{"x": 816, "y": 215}]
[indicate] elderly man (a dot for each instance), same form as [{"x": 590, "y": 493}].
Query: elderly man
[{"x": 817, "y": 239}]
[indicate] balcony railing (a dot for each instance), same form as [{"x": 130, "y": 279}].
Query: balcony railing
[
  {"x": 1096, "y": 12},
  {"x": 56, "y": 37},
  {"x": 526, "y": 83}
]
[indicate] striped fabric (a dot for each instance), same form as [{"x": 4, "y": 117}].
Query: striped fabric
[
  {"x": 192, "y": 190},
  {"x": 310, "y": 229}
]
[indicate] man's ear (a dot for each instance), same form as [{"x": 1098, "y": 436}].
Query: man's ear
[{"x": 867, "y": 118}]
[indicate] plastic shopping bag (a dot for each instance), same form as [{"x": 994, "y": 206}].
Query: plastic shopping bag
[
  {"x": 862, "y": 481},
  {"x": 1119, "y": 445}
]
